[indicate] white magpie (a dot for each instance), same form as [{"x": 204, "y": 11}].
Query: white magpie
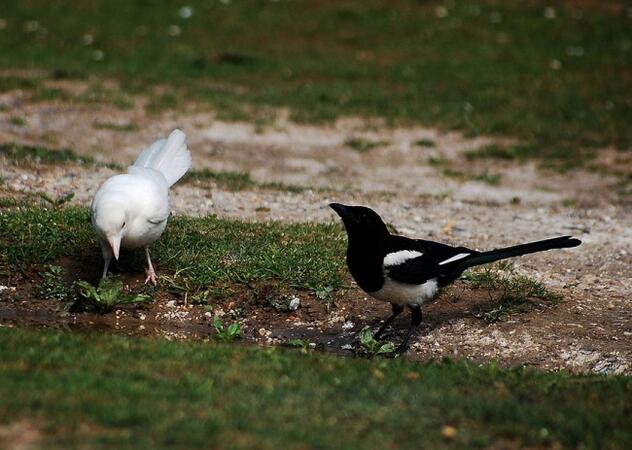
[
  {"x": 131, "y": 210},
  {"x": 410, "y": 272}
]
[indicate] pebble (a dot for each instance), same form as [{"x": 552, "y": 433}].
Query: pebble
[{"x": 294, "y": 304}]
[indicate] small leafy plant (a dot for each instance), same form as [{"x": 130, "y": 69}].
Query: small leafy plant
[
  {"x": 373, "y": 347},
  {"x": 108, "y": 296},
  {"x": 226, "y": 334},
  {"x": 53, "y": 285},
  {"x": 323, "y": 292},
  {"x": 301, "y": 344}
]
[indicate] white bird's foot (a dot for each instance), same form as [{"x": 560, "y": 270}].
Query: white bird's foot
[{"x": 151, "y": 276}]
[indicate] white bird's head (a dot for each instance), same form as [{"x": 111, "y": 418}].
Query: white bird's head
[{"x": 110, "y": 221}]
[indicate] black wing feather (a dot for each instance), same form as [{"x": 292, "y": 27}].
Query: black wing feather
[{"x": 425, "y": 267}]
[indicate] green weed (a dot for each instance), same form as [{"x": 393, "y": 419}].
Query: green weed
[
  {"x": 106, "y": 297},
  {"x": 373, "y": 347},
  {"x": 226, "y": 334}
]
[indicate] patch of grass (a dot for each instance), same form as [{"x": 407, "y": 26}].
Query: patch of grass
[
  {"x": 230, "y": 180},
  {"x": 17, "y": 121},
  {"x": 484, "y": 67},
  {"x": 237, "y": 181},
  {"x": 57, "y": 201},
  {"x": 53, "y": 285},
  {"x": 116, "y": 392},
  {"x": 26, "y": 155},
  {"x": 362, "y": 145},
  {"x": 514, "y": 292},
  {"x": 425, "y": 143},
  {"x": 205, "y": 251},
  {"x": 45, "y": 93},
  {"x": 559, "y": 157},
  {"x": 11, "y": 83},
  {"x": 449, "y": 172},
  {"x": 489, "y": 178},
  {"x": 129, "y": 126}
]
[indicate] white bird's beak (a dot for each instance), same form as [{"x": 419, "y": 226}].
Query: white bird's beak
[{"x": 115, "y": 245}]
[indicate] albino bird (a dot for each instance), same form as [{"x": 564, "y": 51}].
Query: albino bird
[{"x": 131, "y": 210}]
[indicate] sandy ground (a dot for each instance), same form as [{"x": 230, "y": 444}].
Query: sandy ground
[{"x": 591, "y": 330}]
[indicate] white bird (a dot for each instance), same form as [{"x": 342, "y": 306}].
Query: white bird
[{"x": 131, "y": 210}]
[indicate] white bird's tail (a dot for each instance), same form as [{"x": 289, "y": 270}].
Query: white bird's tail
[{"x": 170, "y": 156}]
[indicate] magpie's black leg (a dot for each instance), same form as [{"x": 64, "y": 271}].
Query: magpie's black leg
[
  {"x": 397, "y": 310},
  {"x": 415, "y": 321}
]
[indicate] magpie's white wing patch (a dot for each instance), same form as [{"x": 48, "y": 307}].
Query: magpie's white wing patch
[
  {"x": 395, "y": 258},
  {"x": 455, "y": 258}
]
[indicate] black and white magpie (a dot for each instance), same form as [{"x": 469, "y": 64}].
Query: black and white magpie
[{"x": 410, "y": 272}]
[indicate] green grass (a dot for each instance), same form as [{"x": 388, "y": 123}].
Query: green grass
[
  {"x": 425, "y": 143},
  {"x": 557, "y": 82},
  {"x": 515, "y": 291},
  {"x": 205, "y": 251},
  {"x": 448, "y": 172},
  {"x": 114, "y": 392},
  {"x": 361, "y": 145},
  {"x": 237, "y": 181},
  {"x": 17, "y": 121},
  {"x": 230, "y": 180},
  {"x": 26, "y": 155},
  {"x": 130, "y": 126}
]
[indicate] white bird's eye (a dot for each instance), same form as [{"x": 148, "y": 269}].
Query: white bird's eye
[{"x": 123, "y": 225}]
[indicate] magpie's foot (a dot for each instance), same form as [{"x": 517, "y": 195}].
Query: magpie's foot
[{"x": 403, "y": 348}]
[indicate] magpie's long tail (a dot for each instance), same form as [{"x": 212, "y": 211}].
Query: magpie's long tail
[{"x": 517, "y": 250}]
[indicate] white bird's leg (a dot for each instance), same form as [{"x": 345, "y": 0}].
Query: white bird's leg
[
  {"x": 107, "y": 257},
  {"x": 151, "y": 273},
  {"x": 105, "y": 268}
]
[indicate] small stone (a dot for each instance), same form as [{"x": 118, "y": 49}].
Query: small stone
[
  {"x": 348, "y": 325},
  {"x": 295, "y": 302},
  {"x": 448, "y": 432}
]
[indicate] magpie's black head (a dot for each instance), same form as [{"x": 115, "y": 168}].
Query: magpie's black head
[{"x": 361, "y": 222}]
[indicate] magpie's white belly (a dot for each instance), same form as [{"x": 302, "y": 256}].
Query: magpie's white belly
[{"x": 406, "y": 294}]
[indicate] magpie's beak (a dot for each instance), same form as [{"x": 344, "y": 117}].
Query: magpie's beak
[
  {"x": 115, "y": 245},
  {"x": 341, "y": 210}
]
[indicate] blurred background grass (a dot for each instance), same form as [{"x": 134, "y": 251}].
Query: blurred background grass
[{"x": 557, "y": 75}]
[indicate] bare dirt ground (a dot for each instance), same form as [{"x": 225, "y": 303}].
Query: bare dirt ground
[{"x": 590, "y": 330}]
